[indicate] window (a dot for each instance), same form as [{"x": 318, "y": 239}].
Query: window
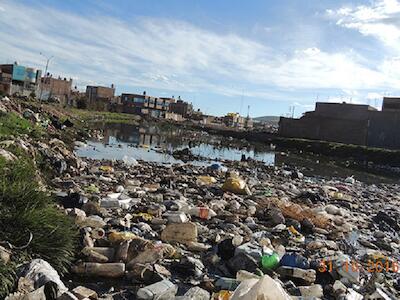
[{"x": 138, "y": 100}]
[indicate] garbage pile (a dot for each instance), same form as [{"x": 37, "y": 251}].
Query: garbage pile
[{"x": 239, "y": 231}]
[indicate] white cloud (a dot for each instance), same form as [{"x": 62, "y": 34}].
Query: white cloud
[
  {"x": 178, "y": 56},
  {"x": 380, "y": 20}
]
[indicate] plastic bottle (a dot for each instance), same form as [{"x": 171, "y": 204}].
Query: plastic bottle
[
  {"x": 298, "y": 237},
  {"x": 295, "y": 211},
  {"x": 117, "y": 237},
  {"x": 92, "y": 221},
  {"x": 98, "y": 233},
  {"x": 162, "y": 290},
  {"x": 223, "y": 295},
  {"x": 202, "y": 212},
  {"x": 314, "y": 290},
  {"x": 295, "y": 260},
  {"x": 196, "y": 293},
  {"x": 112, "y": 270},
  {"x": 225, "y": 283},
  {"x": 270, "y": 262},
  {"x": 109, "y": 252},
  {"x": 307, "y": 275}
]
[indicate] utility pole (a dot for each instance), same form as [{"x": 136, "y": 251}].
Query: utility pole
[
  {"x": 248, "y": 116},
  {"x": 45, "y": 73}
]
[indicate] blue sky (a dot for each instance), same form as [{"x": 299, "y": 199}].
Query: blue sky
[{"x": 222, "y": 56}]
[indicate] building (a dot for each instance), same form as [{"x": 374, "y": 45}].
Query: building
[
  {"x": 348, "y": 123},
  {"x": 181, "y": 107},
  {"x": 5, "y": 83},
  {"x": 55, "y": 88},
  {"x": 173, "y": 116},
  {"x": 236, "y": 121},
  {"x": 391, "y": 104},
  {"x": 24, "y": 80},
  {"x": 146, "y": 105},
  {"x": 99, "y": 97}
]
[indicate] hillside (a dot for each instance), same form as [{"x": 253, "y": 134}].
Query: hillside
[{"x": 267, "y": 119}]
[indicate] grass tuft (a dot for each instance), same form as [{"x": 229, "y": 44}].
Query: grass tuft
[
  {"x": 24, "y": 209},
  {"x": 13, "y": 125}
]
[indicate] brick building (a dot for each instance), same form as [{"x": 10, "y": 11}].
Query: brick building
[
  {"x": 99, "y": 97},
  {"x": 58, "y": 88},
  {"x": 181, "y": 107},
  {"x": 348, "y": 123}
]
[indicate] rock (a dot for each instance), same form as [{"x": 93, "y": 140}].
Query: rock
[
  {"x": 83, "y": 293},
  {"x": 181, "y": 233},
  {"x": 78, "y": 215},
  {"x": 189, "y": 266},
  {"x": 242, "y": 261},
  {"x": 91, "y": 208},
  {"x": 147, "y": 256},
  {"x": 276, "y": 216}
]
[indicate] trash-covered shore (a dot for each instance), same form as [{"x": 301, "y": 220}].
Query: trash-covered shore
[{"x": 237, "y": 230}]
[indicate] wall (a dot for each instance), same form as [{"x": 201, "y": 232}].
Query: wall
[
  {"x": 53, "y": 87},
  {"x": 99, "y": 97},
  {"x": 391, "y": 104},
  {"x": 384, "y": 130},
  {"x": 105, "y": 92},
  {"x": 327, "y": 129}
]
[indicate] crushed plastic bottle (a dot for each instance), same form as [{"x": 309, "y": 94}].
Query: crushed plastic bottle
[
  {"x": 270, "y": 262},
  {"x": 236, "y": 185},
  {"x": 162, "y": 290}
]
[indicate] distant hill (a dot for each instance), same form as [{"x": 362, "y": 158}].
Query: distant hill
[{"x": 267, "y": 119}]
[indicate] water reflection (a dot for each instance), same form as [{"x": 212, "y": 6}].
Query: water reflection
[{"x": 154, "y": 143}]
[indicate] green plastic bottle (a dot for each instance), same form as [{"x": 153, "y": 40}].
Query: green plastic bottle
[{"x": 270, "y": 261}]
